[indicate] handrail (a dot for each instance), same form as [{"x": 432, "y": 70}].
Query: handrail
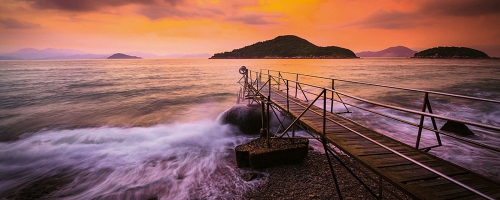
[
  {"x": 396, "y": 87},
  {"x": 404, "y": 109},
  {"x": 491, "y": 127}
]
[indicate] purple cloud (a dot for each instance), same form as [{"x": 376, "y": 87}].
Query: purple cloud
[
  {"x": 461, "y": 7},
  {"x": 388, "y": 20},
  {"x": 16, "y": 24},
  {"x": 93, "y": 5},
  {"x": 252, "y": 19},
  {"x": 394, "y": 19},
  {"x": 166, "y": 11}
]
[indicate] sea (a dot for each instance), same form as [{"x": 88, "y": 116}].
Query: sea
[{"x": 150, "y": 128}]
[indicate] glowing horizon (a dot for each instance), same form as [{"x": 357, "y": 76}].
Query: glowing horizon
[{"x": 211, "y": 26}]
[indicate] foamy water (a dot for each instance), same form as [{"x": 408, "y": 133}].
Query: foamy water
[{"x": 166, "y": 161}]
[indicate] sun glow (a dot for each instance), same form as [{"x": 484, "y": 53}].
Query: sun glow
[{"x": 211, "y": 26}]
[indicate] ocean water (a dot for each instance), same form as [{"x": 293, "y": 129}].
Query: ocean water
[{"x": 148, "y": 128}]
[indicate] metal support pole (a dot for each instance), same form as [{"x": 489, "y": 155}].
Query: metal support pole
[
  {"x": 268, "y": 114},
  {"x": 380, "y": 187},
  {"x": 333, "y": 96},
  {"x": 279, "y": 78},
  {"x": 324, "y": 112},
  {"x": 263, "y": 118},
  {"x": 323, "y": 140},
  {"x": 420, "y": 127},
  {"x": 296, "y": 85},
  {"x": 260, "y": 75},
  {"x": 433, "y": 121},
  {"x": 287, "y": 97}
]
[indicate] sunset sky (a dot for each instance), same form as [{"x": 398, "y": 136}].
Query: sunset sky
[{"x": 211, "y": 26}]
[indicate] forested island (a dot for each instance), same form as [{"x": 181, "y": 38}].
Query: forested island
[
  {"x": 122, "y": 56},
  {"x": 287, "y": 46},
  {"x": 451, "y": 52}
]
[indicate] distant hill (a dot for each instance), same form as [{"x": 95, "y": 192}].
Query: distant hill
[
  {"x": 150, "y": 55},
  {"x": 34, "y": 54},
  {"x": 451, "y": 52},
  {"x": 122, "y": 56},
  {"x": 397, "y": 51},
  {"x": 8, "y": 58},
  {"x": 66, "y": 54},
  {"x": 288, "y": 46}
]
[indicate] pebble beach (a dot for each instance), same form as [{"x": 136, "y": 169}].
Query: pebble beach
[{"x": 312, "y": 179}]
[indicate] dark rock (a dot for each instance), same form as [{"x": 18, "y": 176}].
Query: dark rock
[
  {"x": 457, "y": 128},
  {"x": 257, "y": 154},
  {"x": 247, "y": 118},
  {"x": 251, "y": 176},
  {"x": 39, "y": 189}
]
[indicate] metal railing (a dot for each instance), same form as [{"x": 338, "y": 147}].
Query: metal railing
[
  {"x": 276, "y": 80},
  {"x": 425, "y": 112}
]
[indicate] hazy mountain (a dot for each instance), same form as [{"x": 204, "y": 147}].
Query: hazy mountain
[
  {"x": 150, "y": 55},
  {"x": 144, "y": 55},
  {"x": 64, "y": 54},
  {"x": 79, "y": 56},
  {"x": 397, "y": 51},
  {"x": 8, "y": 58},
  {"x": 201, "y": 55},
  {"x": 31, "y": 53}
]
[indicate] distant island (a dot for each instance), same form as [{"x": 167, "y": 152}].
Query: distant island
[
  {"x": 451, "y": 52},
  {"x": 287, "y": 46},
  {"x": 122, "y": 56},
  {"x": 397, "y": 51}
]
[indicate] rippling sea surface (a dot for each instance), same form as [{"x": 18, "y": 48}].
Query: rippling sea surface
[{"x": 148, "y": 128}]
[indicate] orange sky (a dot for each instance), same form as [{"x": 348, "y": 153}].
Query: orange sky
[{"x": 212, "y": 26}]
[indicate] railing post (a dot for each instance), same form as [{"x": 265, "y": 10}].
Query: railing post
[
  {"x": 287, "y": 98},
  {"x": 260, "y": 75},
  {"x": 279, "y": 78},
  {"x": 324, "y": 112},
  {"x": 296, "y": 85},
  {"x": 251, "y": 80},
  {"x": 268, "y": 114},
  {"x": 333, "y": 88}
]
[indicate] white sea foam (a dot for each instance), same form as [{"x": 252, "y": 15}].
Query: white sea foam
[{"x": 169, "y": 161}]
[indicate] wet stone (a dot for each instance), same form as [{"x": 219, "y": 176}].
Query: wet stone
[{"x": 258, "y": 154}]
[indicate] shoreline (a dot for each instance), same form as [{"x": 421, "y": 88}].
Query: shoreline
[{"x": 312, "y": 179}]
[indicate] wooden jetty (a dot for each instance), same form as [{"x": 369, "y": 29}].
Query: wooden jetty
[{"x": 414, "y": 171}]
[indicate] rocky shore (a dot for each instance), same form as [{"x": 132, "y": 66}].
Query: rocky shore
[{"x": 313, "y": 180}]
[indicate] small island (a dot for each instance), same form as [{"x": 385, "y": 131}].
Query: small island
[
  {"x": 122, "y": 56},
  {"x": 451, "y": 52},
  {"x": 286, "y": 47}
]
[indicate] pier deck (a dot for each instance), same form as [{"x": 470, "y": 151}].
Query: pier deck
[{"x": 367, "y": 147}]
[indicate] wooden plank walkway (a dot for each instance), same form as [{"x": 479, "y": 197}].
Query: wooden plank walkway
[{"x": 411, "y": 178}]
